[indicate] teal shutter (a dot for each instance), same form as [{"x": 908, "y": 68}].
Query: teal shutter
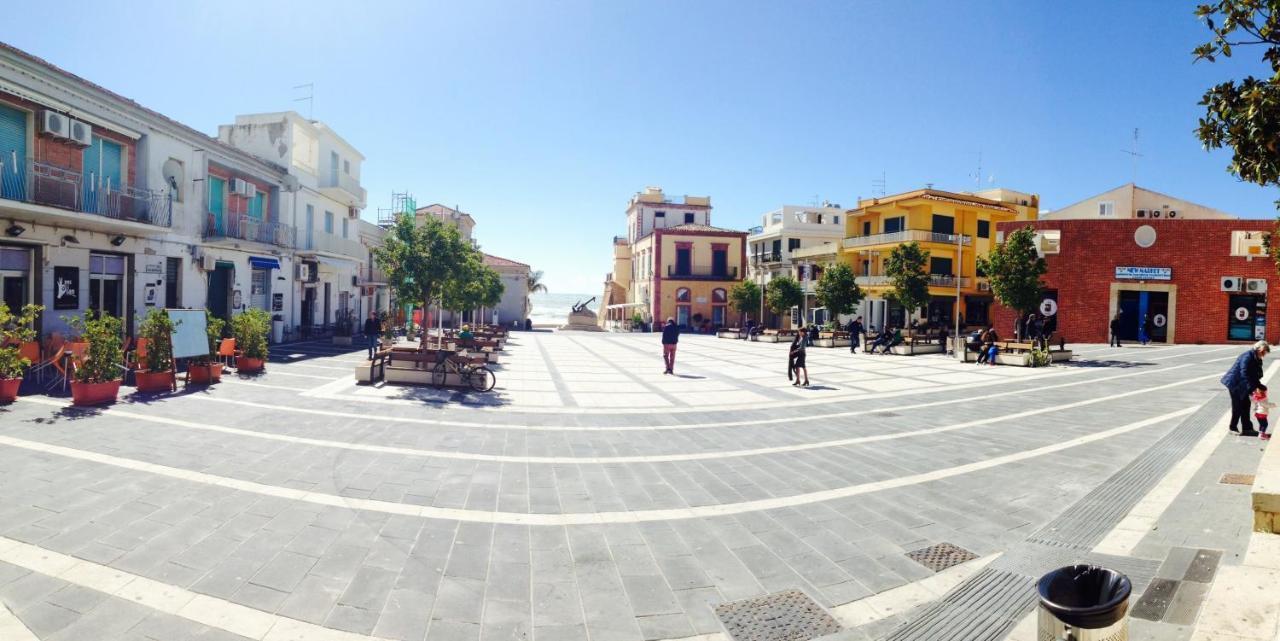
[
  {"x": 255, "y": 207},
  {"x": 101, "y": 170},
  {"x": 217, "y": 191},
  {"x": 13, "y": 153}
]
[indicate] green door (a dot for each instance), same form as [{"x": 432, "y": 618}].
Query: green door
[
  {"x": 217, "y": 192},
  {"x": 13, "y": 153}
]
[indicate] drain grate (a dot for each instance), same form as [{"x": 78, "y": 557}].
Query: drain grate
[
  {"x": 1236, "y": 479},
  {"x": 941, "y": 556},
  {"x": 789, "y": 615}
]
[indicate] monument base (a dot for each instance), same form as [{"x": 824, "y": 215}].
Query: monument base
[{"x": 582, "y": 321}]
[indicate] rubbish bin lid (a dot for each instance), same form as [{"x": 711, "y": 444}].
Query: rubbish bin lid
[{"x": 1085, "y": 596}]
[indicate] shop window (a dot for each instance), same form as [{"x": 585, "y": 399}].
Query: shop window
[{"x": 15, "y": 274}]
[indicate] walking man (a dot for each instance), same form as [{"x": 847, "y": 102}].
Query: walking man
[
  {"x": 1115, "y": 331},
  {"x": 372, "y": 330},
  {"x": 1241, "y": 381},
  {"x": 855, "y": 334},
  {"x": 670, "y": 336}
]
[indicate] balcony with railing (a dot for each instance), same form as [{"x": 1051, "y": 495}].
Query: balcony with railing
[
  {"x": 935, "y": 280},
  {"x": 322, "y": 242},
  {"x": 243, "y": 226},
  {"x": 343, "y": 188},
  {"x": 906, "y": 236},
  {"x": 702, "y": 273},
  {"x": 767, "y": 258},
  {"x": 371, "y": 275},
  {"x": 97, "y": 198}
]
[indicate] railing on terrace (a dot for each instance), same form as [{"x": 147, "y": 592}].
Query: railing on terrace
[
  {"x": 245, "y": 227},
  {"x": 906, "y": 235},
  {"x": 372, "y": 275},
  {"x": 702, "y": 273},
  {"x": 41, "y": 183},
  {"x": 935, "y": 280},
  {"x": 767, "y": 257}
]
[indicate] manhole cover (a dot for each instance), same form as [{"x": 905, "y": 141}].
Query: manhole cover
[
  {"x": 789, "y": 615},
  {"x": 941, "y": 556},
  {"x": 1236, "y": 479}
]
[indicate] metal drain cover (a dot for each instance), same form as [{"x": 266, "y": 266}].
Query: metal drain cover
[
  {"x": 941, "y": 556},
  {"x": 789, "y": 615},
  {"x": 1236, "y": 479}
]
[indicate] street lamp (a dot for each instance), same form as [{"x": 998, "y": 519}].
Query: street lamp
[{"x": 959, "y": 270}]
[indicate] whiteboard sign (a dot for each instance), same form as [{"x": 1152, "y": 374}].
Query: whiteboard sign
[{"x": 189, "y": 333}]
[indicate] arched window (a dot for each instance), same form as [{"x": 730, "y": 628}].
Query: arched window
[
  {"x": 682, "y": 295},
  {"x": 719, "y": 297}
]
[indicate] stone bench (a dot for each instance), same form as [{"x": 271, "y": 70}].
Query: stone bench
[{"x": 1266, "y": 492}]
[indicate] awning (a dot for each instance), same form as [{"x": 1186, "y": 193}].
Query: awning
[
  {"x": 336, "y": 263},
  {"x": 625, "y": 305},
  {"x": 259, "y": 262}
]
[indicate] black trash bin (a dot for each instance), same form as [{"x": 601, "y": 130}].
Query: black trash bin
[{"x": 1084, "y": 603}]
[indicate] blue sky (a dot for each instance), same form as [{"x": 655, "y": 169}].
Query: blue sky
[{"x": 542, "y": 118}]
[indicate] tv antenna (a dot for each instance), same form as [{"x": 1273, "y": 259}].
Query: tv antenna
[
  {"x": 977, "y": 177},
  {"x": 877, "y": 186},
  {"x": 1134, "y": 155},
  {"x": 310, "y": 97}
]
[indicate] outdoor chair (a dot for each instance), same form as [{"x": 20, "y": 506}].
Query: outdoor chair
[{"x": 227, "y": 352}]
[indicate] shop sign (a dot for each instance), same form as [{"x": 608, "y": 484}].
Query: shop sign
[
  {"x": 277, "y": 302},
  {"x": 66, "y": 287},
  {"x": 1144, "y": 273}
]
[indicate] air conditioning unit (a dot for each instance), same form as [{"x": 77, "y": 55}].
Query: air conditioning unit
[
  {"x": 208, "y": 263},
  {"x": 297, "y": 271},
  {"x": 1231, "y": 283},
  {"x": 235, "y": 186},
  {"x": 54, "y": 124},
  {"x": 984, "y": 286},
  {"x": 80, "y": 133},
  {"x": 1155, "y": 213},
  {"x": 1142, "y": 213},
  {"x": 1173, "y": 213},
  {"x": 250, "y": 189},
  {"x": 1256, "y": 285}
]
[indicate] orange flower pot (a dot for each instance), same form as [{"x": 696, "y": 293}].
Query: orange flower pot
[
  {"x": 247, "y": 365},
  {"x": 205, "y": 374},
  {"x": 94, "y": 393},
  {"x": 154, "y": 381},
  {"x": 9, "y": 389}
]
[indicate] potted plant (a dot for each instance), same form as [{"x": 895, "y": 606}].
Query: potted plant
[
  {"x": 97, "y": 377},
  {"x": 15, "y": 329},
  {"x": 342, "y": 327},
  {"x": 157, "y": 373},
  {"x": 207, "y": 369},
  {"x": 250, "y": 329},
  {"x": 637, "y": 322}
]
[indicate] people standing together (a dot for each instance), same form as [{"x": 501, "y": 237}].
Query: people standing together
[{"x": 1244, "y": 385}]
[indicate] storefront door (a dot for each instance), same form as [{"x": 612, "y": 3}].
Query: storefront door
[
  {"x": 15, "y": 275},
  {"x": 220, "y": 290},
  {"x": 1135, "y": 306},
  {"x": 106, "y": 284},
  {"x": 258, "y": 294}
]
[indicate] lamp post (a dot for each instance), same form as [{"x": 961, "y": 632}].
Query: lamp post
[{"x": 959, "y": 270}]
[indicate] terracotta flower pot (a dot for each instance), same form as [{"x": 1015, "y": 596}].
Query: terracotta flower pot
[
  {"x": 206, "y": 374},
  {"x": 154, "y": 381},
  {"x": 94, "y": 393},
  {"x": 246, "y": 364},
  {"x": 9, "y": 389}
]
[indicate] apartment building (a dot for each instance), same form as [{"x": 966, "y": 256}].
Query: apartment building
[
  {"x": 324, "y": 177},
  {"x": 107, "y": 205},
  {"x": 774, "y": 247},
  {"x": 1131, "y": 201},
  {"x": 676, "y": 264},
  {"x": 953, "y": 227}
]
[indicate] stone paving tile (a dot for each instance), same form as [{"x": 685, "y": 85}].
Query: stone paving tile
[{"x": 405, "y": 577}]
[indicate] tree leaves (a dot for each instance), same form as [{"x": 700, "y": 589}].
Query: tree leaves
[
  {"x": 782, "y": 294},
  {"x": 905, "y": 268},
  {"x": 1014, "y": 268},
  {"x": 838, "y": 290}
]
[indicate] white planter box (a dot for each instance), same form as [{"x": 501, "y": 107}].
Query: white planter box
[
  {"x": 729, "y": 334},
  {"x": 831, "y": 342},
  {"x": 770, "y": 338},
  {"x": 907, "y": 350}
]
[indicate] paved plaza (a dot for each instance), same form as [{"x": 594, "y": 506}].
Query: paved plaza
[{"x": 592, "y": 497}]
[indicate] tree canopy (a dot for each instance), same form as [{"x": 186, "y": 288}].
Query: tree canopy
[
  {"x": 906, "y": 269},
  {"x": 783, "y": 293},
  {"x": 745, "y": 297},
  {"x": 838, "y": 290},
  {"x": 428, "y": 262},
  {"x": 1014, "y": 268}
]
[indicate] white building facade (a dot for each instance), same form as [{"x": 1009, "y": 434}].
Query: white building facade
[{"x": 784, "y": 232}]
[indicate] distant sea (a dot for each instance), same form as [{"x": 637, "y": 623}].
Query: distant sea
[{"x": 553, "y": 308}]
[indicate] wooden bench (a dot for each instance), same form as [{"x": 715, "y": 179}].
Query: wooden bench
[{"x": 836, "y": 338}]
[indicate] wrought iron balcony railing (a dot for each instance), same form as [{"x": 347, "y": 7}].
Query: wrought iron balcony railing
[{"x": 40, "y": 183}]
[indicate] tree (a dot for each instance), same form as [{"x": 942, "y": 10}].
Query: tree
[
  {"x": 782, "y": 294},
  {"x": 535, "y": 283},
  {"x": 419, "y": 259},
  {"x": 905, "y": 268},
  {"x": 1014, "y": 269},
  {"x": 473, "y": 284},
  {"x": 1244, "y": 116},
  {"x": 837, "y": 290},
  {"x": 745, "y": 297}
]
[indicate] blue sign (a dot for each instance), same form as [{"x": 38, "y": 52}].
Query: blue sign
[{"x": 1144, "y": 273}]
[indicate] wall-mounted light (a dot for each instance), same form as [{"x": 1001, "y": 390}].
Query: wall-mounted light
[
  {"x": 117, "y": 241},
  {"x": 15, "y": 230},
  {"x": 70, "y": 239}
]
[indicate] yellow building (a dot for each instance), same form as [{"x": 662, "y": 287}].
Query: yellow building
[
  {"x": 672, "y": 263},
  {"x": 954, "y": 228}
]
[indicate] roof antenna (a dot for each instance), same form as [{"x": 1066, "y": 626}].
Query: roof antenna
[
  {"x": 310, "y": 98},
  {"x": 1134, "y": 155}
]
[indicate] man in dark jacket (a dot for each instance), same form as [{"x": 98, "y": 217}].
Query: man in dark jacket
[
  {"x": 372, "y": 330},
  {"x": 670, "y": 336},
  {"x": 1115, "y": 331},
  {"x": 1241, "y": 380},
  {"x": 855, "y": 334}
]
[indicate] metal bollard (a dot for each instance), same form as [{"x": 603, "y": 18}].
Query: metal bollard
[{"x": 1083, "y": 603}]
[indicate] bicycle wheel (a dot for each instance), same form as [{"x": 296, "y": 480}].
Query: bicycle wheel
[
  {"x": 439, "y": 374},
  {"x": 482, "y": 378}
]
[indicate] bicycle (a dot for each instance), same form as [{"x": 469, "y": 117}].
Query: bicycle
[{"x": 479, "y": 377}]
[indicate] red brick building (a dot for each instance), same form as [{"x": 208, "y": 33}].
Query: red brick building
[{"x": 1200, "y": 281}]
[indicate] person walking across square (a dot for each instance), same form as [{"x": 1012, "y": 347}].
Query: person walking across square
[
  {"x": 372, "y": 330},
  {"x": 670, "y": 336}
]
